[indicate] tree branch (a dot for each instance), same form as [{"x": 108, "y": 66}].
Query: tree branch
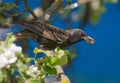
[
  {"x": 46, "y": 4},
  {"x": 27, "y": 7},
  {"x": 51, "y": 10}
]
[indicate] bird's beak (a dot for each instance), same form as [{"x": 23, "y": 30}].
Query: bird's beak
[{"x": 89, "y": 39}]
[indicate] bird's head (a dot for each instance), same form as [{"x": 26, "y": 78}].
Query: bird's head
[{"x": 77, "y": 35}]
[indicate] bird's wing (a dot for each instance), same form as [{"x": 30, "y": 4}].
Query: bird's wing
[
  {"x": 56, "y": 33},
  {"x": 47, "y": 31}
]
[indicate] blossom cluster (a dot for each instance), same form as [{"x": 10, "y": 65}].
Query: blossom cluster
[
  {"x": 33, "y": 71},
  {"x": 8, "y": 54}
]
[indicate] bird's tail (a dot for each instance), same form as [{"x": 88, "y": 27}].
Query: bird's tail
[{"x": 89, "y": 39}]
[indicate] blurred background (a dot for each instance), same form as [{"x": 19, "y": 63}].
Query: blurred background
[{"x": 97, "y": 63}]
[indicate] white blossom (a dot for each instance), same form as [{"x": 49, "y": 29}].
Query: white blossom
[
  {"x": 8, "y": 55},
  {"x": 74, "y": 5},
  {"x": 33, "y": 71}
]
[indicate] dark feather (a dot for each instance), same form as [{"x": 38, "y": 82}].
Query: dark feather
[
  {"x": 46, "y": 31},
  {"x": 50, "y": 37}
]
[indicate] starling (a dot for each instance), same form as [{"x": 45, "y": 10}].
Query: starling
[{"x": 50, "y": 37}]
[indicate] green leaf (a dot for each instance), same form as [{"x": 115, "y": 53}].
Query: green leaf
[
  {"x": 28, "y": 59},
  {"x": 12, "y": 70},
  {"x": 54, "y": 59},
  {"x": 8, "y": 6},
  {"x": 32, "y": 80},
  {"x": 9, "y": 40},
  {"x": 36, "y": 51},
  {"x": 63, "y": 60},
  {"x": 3, "y": 76},
  {"x": 71, "y": 55},
  {"x": 60, "y": 53},
  {"x": 48, "y": 53},
  {"x": 62, "y": 57},
  {"x": 50, "y": 70},
  {"x": 57, "y": 49}
]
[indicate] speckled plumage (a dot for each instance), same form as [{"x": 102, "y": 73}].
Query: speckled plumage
[{"x": 49, "y": 36}]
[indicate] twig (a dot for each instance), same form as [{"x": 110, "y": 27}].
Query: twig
[
  {"x": 75, "y": 5},
  {"x": 61, "y": 74},
  {"x": 50, "y": 11},
  {"x": 48, "y": 2},
  {"x": 27, "y": 7}
]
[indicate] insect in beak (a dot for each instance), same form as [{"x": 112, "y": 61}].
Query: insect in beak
[{"x": 89, "y": 39}]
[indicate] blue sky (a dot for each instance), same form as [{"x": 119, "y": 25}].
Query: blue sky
[{"x": 100, "y": 63}]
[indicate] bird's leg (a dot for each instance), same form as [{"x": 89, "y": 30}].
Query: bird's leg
[{"x": 89, "y": 39}]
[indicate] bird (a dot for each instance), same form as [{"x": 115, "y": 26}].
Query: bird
[{"x": 49, "y": 37}]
